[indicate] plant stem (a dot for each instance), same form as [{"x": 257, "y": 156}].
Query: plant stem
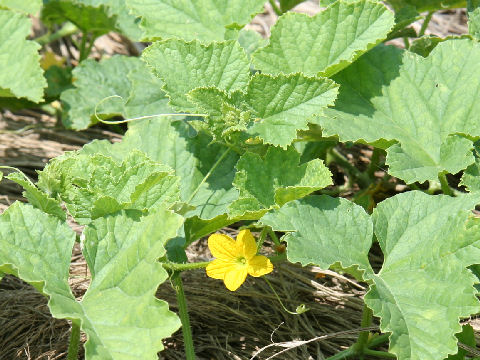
[
  {"x": 406, "y": 42},
  {"x": 74, "y": 342},
  {"x": 273, "y": 236},
  {"x": 262, "y": 237},
  {"x": 208, "y": 174},
  {"x": 381, "y": 339},
  {"x": 184, "y": 318},
  {"x": 360, "y": 177},
  {"x": 184, "y": 267},
  {"x": 361, "y": 345},
  {"x": 83, "y": 48},
  {"x": 65, "y": 30},
  {"x": 342, "y": 354},
  {"x": 376, "y": 353},
  {"x": 374, "y": 162},
  {"x": 425, "y": 24},
  {"x": 442, "y": 176},
  {"x": 275, "y": 7}
]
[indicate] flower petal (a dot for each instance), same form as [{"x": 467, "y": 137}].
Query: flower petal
[
  {"x": 233, "y": 279},
  {"x": 259, "y": 265},
  {"x": 246, "y": 244},
  {"x": 222, "y": 246},
  {"x": 218, "y": 268}
]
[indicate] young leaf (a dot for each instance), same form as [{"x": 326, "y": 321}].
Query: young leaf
[
  {"x": 28, "y": 7},
  {"x": 38, "y": 198},
  {"x": 327, "y": 42},
  {"x": 185, "y": 66},
  {"x": 120, "y": 250},
  {"x": 322, "y": 230},
  {"x": 283, "y": 104},
  {"x": 423, "y": 103},
  {"x": 275, "y": 180},
  {"x": 424, "y": 286},
  {"x": 205, "y": 20},
  {"x": 473, "y": 7},
  {"x": 21, "y": 75}
]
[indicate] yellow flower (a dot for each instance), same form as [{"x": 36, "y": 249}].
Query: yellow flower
[{"x": 235, "y": 259}]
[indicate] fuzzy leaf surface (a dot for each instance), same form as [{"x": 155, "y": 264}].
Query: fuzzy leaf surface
[
  {"x": 28, "y": 7},
  {"x": 428, "y": 5},
  {"x": 320, "y": 229},
  {"x": 185, "y": 66},
  {"x": 275, "y": 180},
  {"x": 205, "y": 20},
  {"x": 428, "y": 242},
  {"x": 21, "y": 75},
  {"x": 327, "y": 42},
  {"x": 425, "y": 104},
  {"x": 283, "y": 104}
]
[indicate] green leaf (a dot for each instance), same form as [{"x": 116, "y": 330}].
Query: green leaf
[
  {"x": 424, "y": 286},
  {"x": 119, "y": 250},
  {"x": 20, "y": 75},
  {"x": 423, "y": 46},
  {"x": 425, "y": 104},
  {"x": 274, "y": 180},
  {"x": 58, "y": 80},
  {"x": 467, "y": 337},
  {"x": 28, "y": 7},
  {"x": 471, "y": 175},
  {"x": 185, "y": 66},
  {"x": 473, "y": 8},
  {"x": 283, "y": 104},
  {"x": 118, "y": 86},
  {"x": 324, "y": 231},
  {"x": 93, "y": 19},
  {"x": 96, "y": 185},
  {"x": 286, "y": 5},
  {"x": 327, "y": 42},
  {"x": 250, "y": 41},
  {"x": 38, "y": 198},
  {"x": 428, "y": 5},
  {"x": 203, "y": 20}
]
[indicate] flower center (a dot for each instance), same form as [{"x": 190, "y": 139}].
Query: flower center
[{"x": 241, "y": 260}]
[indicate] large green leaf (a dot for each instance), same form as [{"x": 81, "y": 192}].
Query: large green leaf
[
  {"x": 283, "y": 104},
  {"x": 203, "y": 20},
  {"x": 275, "y": 180},
  {"x": 185, "y": 66},
  {"x": 93, "y": 16},
  {"x": 118, "y": 86},
  {"x": 425, "y": 104},
  {"x": 424, "y": 286},
  {"x": 95, "y": 185},
  {"x": 20, "y": 75},
  {"x": 119, "y": 250},
  {"x": 327, "y": 42},
  {"x": 29, "y": 7},
  {"x": 322, "y": 230},
  {"x": 428, "y": 5}
]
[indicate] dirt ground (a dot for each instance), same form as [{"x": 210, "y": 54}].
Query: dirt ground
[{"x": 225, "y": 325}]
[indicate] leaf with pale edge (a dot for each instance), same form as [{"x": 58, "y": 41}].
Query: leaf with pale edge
[
  {"x": 21, "y": 75},
  {"x": 275, "y": 180},
  {"x": 185, "y": 66},
  {"x": 427, "y": 5},
  {"x": 327, "y": 42},
  {"x": 119, "y": 250},
  {"x": 425, "y": 104},
  {"x": 424, "y": 287},
  {"x": 323, "y": 231},
  {"x": 205, "y": 20}
]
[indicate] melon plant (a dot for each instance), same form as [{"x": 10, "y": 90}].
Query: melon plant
[{"x": 224, "y": 127}]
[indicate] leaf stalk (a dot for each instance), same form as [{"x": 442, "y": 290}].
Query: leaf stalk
[
  {"x": 184, "y": 318},
  {"x": 74, "y": 343}
]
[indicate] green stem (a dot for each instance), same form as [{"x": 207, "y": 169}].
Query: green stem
[
  {"x": 362, "y": 341},
  {"x": 425, "y": 24},
  {"x": 275, "y": 7},
  {"x": 65, "y": 30},
  {"x": 360, "y": 177},
  {"x": 379, "y": 340},
  {"x": 184, "y": 267},
  {"x": 83, "y": 48},
  {"x": 273, "y": 236},
  {"x": 184, "y": 318},
  {"x": 382, "y": 354},
  {"x": 406, "y": 42},
  {"x": 300, "y": 309},
  {"x": 442, "y": 176},
  {"x": 208, "y": 174},
  {"x": 262, "y": 237},
  {"x": 74, "y": 342},
  {"x": 342, "y": 354},
  {"x": 374, "y": 162}
]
